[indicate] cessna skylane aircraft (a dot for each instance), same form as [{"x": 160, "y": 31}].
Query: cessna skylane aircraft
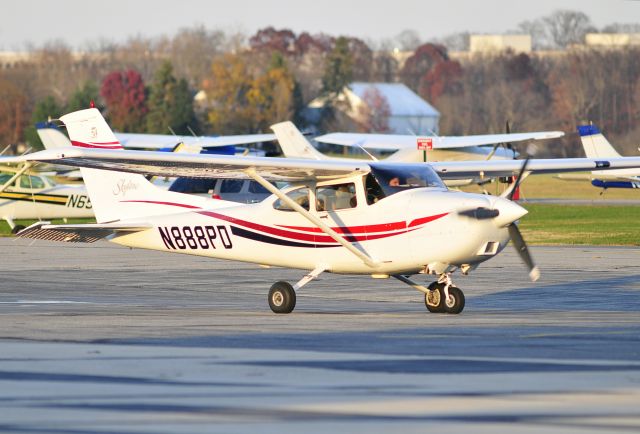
[{"x": 378, "y": 219}]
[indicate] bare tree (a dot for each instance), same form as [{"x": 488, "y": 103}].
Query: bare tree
[{"x": 567, "y": 27}]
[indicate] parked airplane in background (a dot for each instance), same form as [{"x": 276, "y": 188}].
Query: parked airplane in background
[
  {"x": 463, "y": 148},
  {"x": 410, "y": 148},
  {"x": 382, "y": 219},
  {"x": 597, "y": 146},
  {"x": 52, "y": 135},
  {"x": 29, "y": 195}
]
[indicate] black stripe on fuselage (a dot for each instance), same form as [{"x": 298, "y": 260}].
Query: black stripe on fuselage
[
  {"x": 243, "y": 233},
  {"x": 54, "y": 199}
]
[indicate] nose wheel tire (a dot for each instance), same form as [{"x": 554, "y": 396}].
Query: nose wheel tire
[
  {"x": 455, "y": 302},
  {"x": 436, "y": 303},
  {"x": 282, "y": 297}
]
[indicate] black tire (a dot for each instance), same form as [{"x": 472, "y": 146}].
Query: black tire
[
  {"x": 282, "y": 297},
  {"x": 16, "y": 229},
  {"x": 434, "y": 301},
  {"x": 455, "y": 303}
]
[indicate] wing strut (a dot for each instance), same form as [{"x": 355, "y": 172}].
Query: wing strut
[{"x": 251, "y": 172}]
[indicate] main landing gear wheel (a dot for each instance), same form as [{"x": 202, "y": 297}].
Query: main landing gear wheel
[
  {"x": 434, "y": 299},
  {"x": 16, "y": 229},
  {"x": 282, "y": 297},
  {"x": 436, "y": 303}
]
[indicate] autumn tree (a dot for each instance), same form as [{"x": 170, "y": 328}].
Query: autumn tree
[
  {"x": 170, "y": 103},
  {"x": 269, "y": 39},
  {"x": 125, "y": 99},
  {"x": 13, "y": 112},
  {"x": 227, "y": 88},
  {"x": 243, "y": 102},
  {"x": 423, "y": 59}
]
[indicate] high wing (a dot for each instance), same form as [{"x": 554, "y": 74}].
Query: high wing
[
  {"x": 402, "y": 141},
  {"x": 492, "y": 168},
  {"x": 195, "y": 165},
  {"x": 161, "y": 141},
  {"x": 285, "y": 169}
]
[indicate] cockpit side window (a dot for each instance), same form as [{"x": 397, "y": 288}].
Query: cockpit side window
[
  {"x": 299, "y": 196},
  {"x": 31, "y": 182},
  {"x": 393, "y": 179}
]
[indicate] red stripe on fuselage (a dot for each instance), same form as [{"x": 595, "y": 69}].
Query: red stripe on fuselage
[
  {"x": 99, "y": 145},
  {"x": 312, "y": 234}
]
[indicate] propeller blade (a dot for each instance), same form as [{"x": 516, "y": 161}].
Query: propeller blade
[
  {"x": 516, "y": 184},
  {"x": 523, "y": 251}
]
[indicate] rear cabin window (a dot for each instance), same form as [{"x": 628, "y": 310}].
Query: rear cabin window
[
  {"x": 335, "y": 197},
  {"x": 299, "y": 196},
  {"x": 231, "y": 186}
]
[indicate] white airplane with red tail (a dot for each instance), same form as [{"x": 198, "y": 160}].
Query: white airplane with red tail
[{"x": 378, "y": 219}]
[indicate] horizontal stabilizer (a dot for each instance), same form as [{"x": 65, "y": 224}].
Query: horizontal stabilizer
[{"x": 83, "y": 233}]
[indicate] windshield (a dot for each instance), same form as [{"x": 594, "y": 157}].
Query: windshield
[{"x": 396, "y": 178}]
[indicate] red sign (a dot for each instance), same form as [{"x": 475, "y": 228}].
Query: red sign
[{"x": 425, "y": 143}]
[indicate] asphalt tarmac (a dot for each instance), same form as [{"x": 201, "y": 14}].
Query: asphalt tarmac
[{"x": 103, "y": 339}]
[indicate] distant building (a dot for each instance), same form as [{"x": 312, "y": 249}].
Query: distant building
[
  {"x": 493, "y": 43},
  {"x": 611, "y": 39},
  {"x": 408, "y": 113}
]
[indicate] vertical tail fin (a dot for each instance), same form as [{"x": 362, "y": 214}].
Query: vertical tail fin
[
  {"x": 594, "y": 143},
  {"x": 294, "y": 144},
  {"x": 51, "y": 136},
  {"x": 117, "y": 195}
]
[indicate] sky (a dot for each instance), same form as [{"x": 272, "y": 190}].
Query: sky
[{"x": 82, "y": 22}]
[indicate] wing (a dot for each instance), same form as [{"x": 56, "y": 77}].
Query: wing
[
  {"x": 161, "y": 141},
  {"x": 84, "y": 233},
  {"x": 401, "y": 141},
  {"x": 491, "y": 168},
  {"x": 288, "y": 169},
  {"x": 196, "y": 165}
]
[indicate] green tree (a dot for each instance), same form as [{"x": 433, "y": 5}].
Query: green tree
[
  {"x": 170, "y": 103},
  {"x": 82, "y": 97},
  {"x": 338, "y": 70},
  {"x": 43, "y": 110}
]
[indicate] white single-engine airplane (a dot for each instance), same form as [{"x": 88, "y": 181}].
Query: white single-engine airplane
[
  {"x": 25, "y": 194},
  {"x": 452, "y": 148},
  {"x": 378, "y": 219},
  {"x": 409, "y": 148}
]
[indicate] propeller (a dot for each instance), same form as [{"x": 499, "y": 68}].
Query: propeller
[
  {"x": 516, "y": 236},
  {"x": 506, "y": 213},
  {"x": 516, "y": 184}
]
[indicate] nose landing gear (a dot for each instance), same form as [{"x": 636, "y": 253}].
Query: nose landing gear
[{"x": 441, "y": 296}]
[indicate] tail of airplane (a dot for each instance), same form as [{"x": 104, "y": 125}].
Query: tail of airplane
[
  {"x": 294, "y": 144},
  {"x": 51, "y": 136},
  {"x": 117, "y": 195},
  {"x": 595, "y": 144}
]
